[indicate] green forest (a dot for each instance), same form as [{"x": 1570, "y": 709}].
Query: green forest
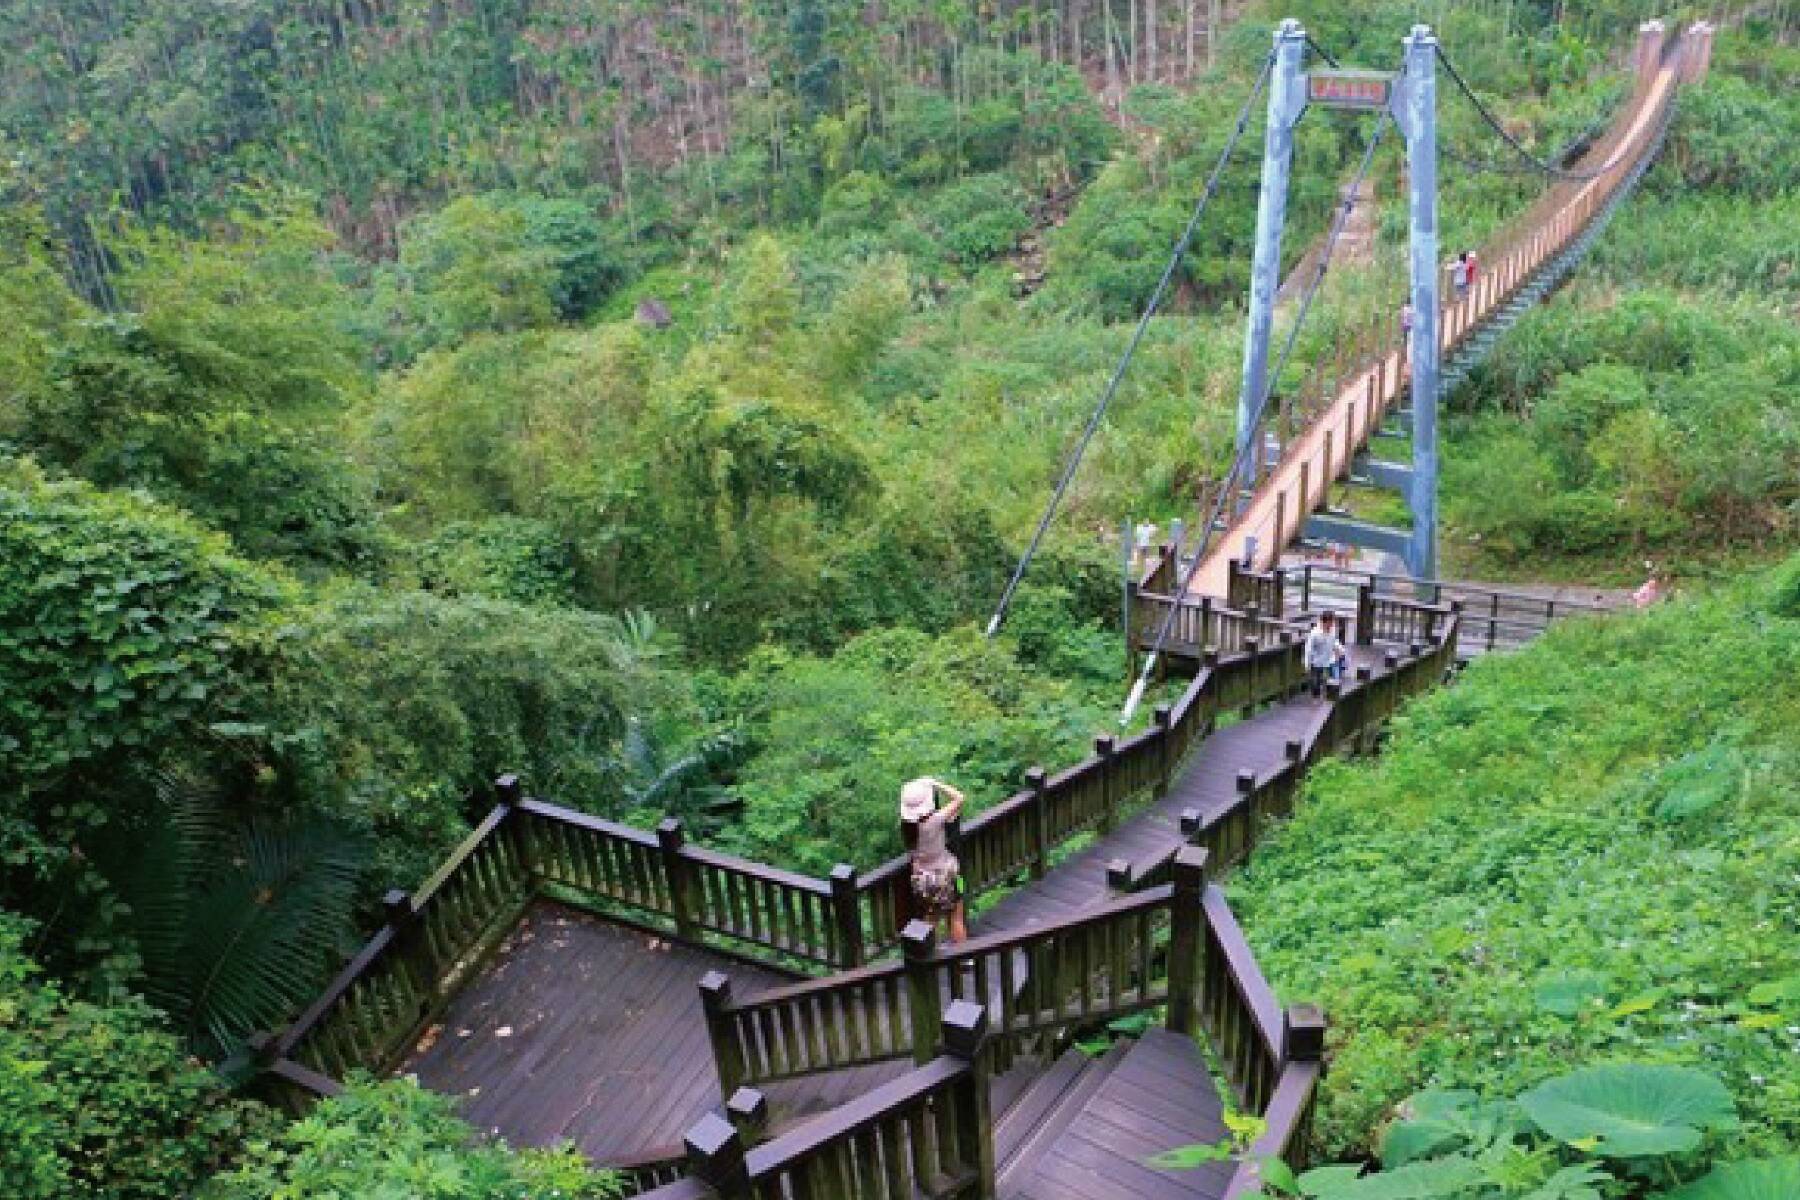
[{"x": 651, "y": 400}]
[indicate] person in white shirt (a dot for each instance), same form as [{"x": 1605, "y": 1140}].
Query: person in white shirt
[
  {"x": 1324, "y": 654},
  {"x": 936, "y": 875}
]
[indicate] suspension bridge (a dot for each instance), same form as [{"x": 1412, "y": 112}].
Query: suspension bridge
[{"x": 715, "y": 1027}]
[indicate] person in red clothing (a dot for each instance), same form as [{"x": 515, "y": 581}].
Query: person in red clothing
[{"x": 1474, "y": 261}]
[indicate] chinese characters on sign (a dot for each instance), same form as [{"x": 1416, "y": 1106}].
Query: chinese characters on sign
[{"x": 1348, "y": 89}]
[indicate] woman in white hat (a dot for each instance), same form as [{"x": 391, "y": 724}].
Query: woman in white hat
[{"x": 936, "y": 875}]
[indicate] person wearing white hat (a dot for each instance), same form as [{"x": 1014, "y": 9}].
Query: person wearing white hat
[{"x": 936, "y": 875}]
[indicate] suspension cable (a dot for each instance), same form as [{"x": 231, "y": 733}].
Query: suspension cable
[
  {"x": 1143, "y": 325},
  {"x": 1322, "y": 52},
  {"x": 1533, "y": 161},
  {"x": 1245, "y": 454}
]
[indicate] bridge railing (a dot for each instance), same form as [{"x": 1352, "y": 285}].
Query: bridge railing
[{"x": 927, "y": 1134}]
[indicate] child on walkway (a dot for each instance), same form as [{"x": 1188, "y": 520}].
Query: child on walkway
[
  {"x": 1324, "y": 654},
  {"x": 936, "y": 875}
]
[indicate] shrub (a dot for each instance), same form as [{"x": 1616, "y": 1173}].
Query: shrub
[
  {"x": 396, "y": 1139},
  {"x": 100, "y": 1101}
]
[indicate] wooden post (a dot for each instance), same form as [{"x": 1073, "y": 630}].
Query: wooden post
[
  {"x": 715, "y": 1155},
  {"x": 965, "y": 1026},
  {"x": 1109, "y": 784},
  {"x": 1040, "y": 821},
  {"x": 846, "y": 908},
  {"x": 748, "y": 1112},
  {"x": 918, "y": 945},
  {"x": 508, "y": 792},
  {"x": 1328, "y": 474},
  {"x": 1160, "y": 717},
  {"x": 1365, "y": 614},
  {"x": 1252, "y": 647},
  {"x": 728, "y": 1056},
  {"x": 1185, "y": 920},
  {"x": 412, "y": 950},
  {"x": 1303, "y": 1034},
  {"x": 1280, "y": 522},
  {"x": 679, "y": 874}
]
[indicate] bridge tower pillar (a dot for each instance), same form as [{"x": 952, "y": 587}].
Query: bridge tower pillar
[
  {"x": 1416, "y": 109},
  {"x": 1287, "y": 100}
]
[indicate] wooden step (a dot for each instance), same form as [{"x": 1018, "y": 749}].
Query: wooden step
[
  {"x": 1033, "y": 1126},
  {"x": 1159, "y": 1096}
]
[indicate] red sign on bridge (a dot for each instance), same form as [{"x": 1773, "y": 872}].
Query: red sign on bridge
[{"x": 1367, "y": 90}]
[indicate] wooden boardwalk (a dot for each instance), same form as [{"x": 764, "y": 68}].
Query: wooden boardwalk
[
  {"x": 1207, "y": 784},
  {"x": 584, "y": 1031}
]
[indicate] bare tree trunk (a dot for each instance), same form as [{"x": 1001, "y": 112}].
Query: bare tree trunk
[
  {"x": 1212, "y": 33},
  {"x": 1150, "y": 39}
]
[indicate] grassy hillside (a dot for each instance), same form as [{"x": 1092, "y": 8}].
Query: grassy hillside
[{"x": 1582, "y": 853}]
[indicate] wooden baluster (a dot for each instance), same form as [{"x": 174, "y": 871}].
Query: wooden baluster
[
  {"x": 1039, "y": 824},
  {"x": 1365, "y": 614},
  {"x": 1160, "y": 718},
  {"x": 721, "y": 1031}
]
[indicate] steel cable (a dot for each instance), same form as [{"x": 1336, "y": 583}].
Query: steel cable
[
  {"x": 1245, "y": 455},
  {"x": 1518, "y": 148},
  {"x": 1143, "y": 325}
]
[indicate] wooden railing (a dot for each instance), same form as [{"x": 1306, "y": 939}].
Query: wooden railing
[
  {"x": 926, "y": 1134},
  {"x": 1020, "y": 833},
  {"x": 1493, "y": 618}
]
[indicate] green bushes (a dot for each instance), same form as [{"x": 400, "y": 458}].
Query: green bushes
[
  {"x": 99, "y": 1101},
  {"x": 395, "y": 1139},
  {"x": 1580, "y": 854}
]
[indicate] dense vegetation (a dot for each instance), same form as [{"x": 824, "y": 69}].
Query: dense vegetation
[
  {"x": 1521, "y": 885},
  {"x": 650, "y": 401}
]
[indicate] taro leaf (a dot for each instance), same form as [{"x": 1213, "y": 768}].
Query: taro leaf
[
  {"x": 1759, "y": 1179},
  {"x": 1626, "y": 1110},
  {"x": 1566, "y": 993},
  {"x": 1435, "y": 1180},
  {"x": 1571, "y": 1183},
  {"x": 1320, "y": 1180},
  {"x": 1410, "y": 1141}
]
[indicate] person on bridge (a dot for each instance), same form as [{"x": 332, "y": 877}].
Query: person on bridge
[
  {"x": 1459, "y": 275},
  {"x": 1324, "y": 654},
  {"x": 1473, "y": 269},
  {"x": 937, "y": 885}
]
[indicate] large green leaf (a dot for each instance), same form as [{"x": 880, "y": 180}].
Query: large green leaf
[
  {"x": 1628, "y": 1110},
  {"x": 1436, "y": 1180},
  {"x": 1567, "y": 992},
  {"x": 1761, "y": 1179}
]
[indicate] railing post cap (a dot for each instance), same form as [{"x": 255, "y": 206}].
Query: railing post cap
[
  {"x": 396, "y": 904},
  {"x": 1246, "y": 780},
  {"x": 1103, "y": 744},
  {"x": 1305, "y": 1032},
  {"x": 965, "y": 1027},
  {"x": 1292, "y": 749},
  {"x": 747, "y": 1106},
  {"x": 714, "y": 1146},
  {"x": 1363, "y": 674},
  {"x": 1210, "y": 656},
  {"x": 918, "y": 939},
  {"x": 1333, "y": 690},
  {"x": 507, "y": 788},
  {"x": 843, "y": 873},
  {"x": 1118, "y": 874},
  {"x": 1161, "y": 715},
  {"x": 1190, "y": 821},
  {"x": 1418, "y": 648},
  {"x": 1190, "y": 868},
  {"x": 1390, "y": 660},
  {"x": 1035, "y": 776},
  {"x": 715, "y": 987},
  {"x": 1252, "y": 644},
  {"x": 1456, "y": 606},
  {"x": 670, "y": 830}
]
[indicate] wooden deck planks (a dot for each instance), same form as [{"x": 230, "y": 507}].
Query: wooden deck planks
[
  {"x": 1159, "y": 1097},
  {"x": 585, "y": 1031}
]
